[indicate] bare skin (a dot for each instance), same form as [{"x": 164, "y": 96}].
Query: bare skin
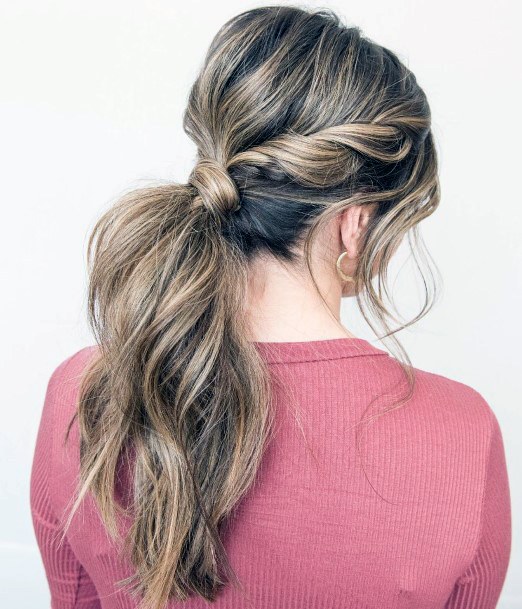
[{"x": 283, "y": 305}]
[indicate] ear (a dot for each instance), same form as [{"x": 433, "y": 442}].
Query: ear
[{"x": 353, "y": 223}]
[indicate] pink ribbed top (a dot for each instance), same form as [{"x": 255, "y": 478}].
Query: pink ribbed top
[{"x": 418, "y": 518}]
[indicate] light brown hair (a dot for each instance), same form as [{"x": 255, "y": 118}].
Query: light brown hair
[{"x": 296, "y": 116}]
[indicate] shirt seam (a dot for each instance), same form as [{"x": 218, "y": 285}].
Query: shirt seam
[
  {"x": 325, "y": 359},
  {"x": 467, "y": 578},
  {"x": 59, "y": 381}
]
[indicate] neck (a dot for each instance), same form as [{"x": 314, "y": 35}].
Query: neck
[{"x": 283, "y": 304}]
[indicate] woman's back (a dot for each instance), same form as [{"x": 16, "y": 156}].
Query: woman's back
[{"x": 418, "y": 517}]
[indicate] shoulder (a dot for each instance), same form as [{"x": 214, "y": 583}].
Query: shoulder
[
  {"x": 443, "y": 436},
  {"x": 62, "y": 392},
  {"x": 448, "y": 415},
  {"x": 455, "y": 408},
  {"x": 64, "y": 378},
  {"x": 63, "y": 386},
  {"x": 64, "y": 382},
  {"x": 478, "y": 461},
  {"x": 57, "y": 411},
  {"x": 66, "y": 372},
  {"x": 455, "y": 395}
]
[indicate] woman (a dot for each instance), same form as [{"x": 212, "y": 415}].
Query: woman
[{"x": 227, "y": 439}]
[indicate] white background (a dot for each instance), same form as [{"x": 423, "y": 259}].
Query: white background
[{"x": 91, "y": 104}]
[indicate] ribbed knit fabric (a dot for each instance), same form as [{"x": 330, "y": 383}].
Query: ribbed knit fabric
[{"x": 419, "y": 517}]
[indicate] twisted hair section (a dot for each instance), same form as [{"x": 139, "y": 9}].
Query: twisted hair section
[
  {"x": 295, "y": 117},
  {"x": 216, "y": 190}
]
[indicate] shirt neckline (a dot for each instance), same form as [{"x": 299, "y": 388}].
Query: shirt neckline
[{"x": 316, "y": 350}]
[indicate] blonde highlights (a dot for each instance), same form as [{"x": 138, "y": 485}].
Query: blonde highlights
[{"x": 295, "y": 117}]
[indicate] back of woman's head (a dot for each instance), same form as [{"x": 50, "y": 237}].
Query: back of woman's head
[{"x": 296, "y": 117}]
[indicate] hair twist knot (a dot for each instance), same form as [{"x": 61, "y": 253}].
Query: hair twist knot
[{"x": 216, "y": 189}]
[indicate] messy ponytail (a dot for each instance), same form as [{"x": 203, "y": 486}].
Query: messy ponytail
[
  {"x": 296, "y": 117},
  {"x": 174, "y": 379}
]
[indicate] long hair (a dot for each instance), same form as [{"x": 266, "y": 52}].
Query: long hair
[{"x": 296, "y": 117}]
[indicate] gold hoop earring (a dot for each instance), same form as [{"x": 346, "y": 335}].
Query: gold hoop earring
[{"x": 340, "y": 271}]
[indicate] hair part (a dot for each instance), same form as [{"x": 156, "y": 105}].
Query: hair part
[{"x": 296, "y": 117}]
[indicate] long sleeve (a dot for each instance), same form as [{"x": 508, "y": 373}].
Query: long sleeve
[
  {"x": 69, "y": 583},
  {"x": 479, "y": 587}
]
